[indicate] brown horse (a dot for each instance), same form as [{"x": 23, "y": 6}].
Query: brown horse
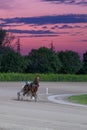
[{"x": 31, "y": 89}]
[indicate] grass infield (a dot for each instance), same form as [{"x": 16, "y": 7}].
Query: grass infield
[{"x": 82, "y": 99}]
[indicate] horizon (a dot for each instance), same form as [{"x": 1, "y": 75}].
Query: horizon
[{"x": 39, "y": 22}]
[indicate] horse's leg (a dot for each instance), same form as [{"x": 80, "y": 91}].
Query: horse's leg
[
  {"x": 36, "y": 88},
  {"x": 31, "y": 92},
  {"x": 21, "y": 93},
  {"x": 25, "y": 91},
  {"x": 35, "y": 94},
  {"x": 18, "y": 94},
  {"x": 35, "y": 97},
  {"x": 31, "y": 96}
]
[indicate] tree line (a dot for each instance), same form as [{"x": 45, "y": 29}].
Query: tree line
[{"x": 42, "y": 60}]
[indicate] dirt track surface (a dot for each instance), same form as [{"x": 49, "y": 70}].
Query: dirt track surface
[{"x": 44, "y": 114}]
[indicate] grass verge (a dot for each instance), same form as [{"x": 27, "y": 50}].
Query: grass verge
[
  {"x": 82, "y": 99},
  {"x": 43, "y": 77}
]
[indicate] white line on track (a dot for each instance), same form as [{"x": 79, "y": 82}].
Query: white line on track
[{"x": 60, "y": 99}]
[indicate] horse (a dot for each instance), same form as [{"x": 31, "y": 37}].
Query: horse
[{"x": 31, "y": 89}]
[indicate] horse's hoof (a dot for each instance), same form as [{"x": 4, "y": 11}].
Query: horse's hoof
[{"x": 33, "y": 98}]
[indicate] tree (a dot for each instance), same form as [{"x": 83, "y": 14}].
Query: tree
[
  {"x": 43, "y": 60},
  {"x": 70, "y": 61},
  {"x": 4, "y": 51},
  {"x": 2, "y": 36},
  {"x": 13, "y": 62},
  {"x": 7, "y": 39},
  {"x": 18, "y": 45},
  {"x": 84, "y": 63},
  {"x": 52, "y": 46}
]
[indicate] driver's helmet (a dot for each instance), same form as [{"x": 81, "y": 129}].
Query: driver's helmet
[{"x": 27, "y": 82}]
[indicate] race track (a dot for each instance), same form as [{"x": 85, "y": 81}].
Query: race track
[{"x": 44, "y": 114}]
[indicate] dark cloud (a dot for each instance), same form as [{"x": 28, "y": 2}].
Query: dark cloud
[
  {"x": 38, "y": 33},
  {"x": 54, "y": 27},
  {"x": 43, "y": 20},
  {"x": 43, "y": 35},
  {"x": 44, "y": 27},
  {"x": 60, "y": 1},
  {"x": 65, "y": 27},
  {"x": 77, "y": 2},
  {"x": 31, "y": 31},
  {"x": 84, "y": 40},
  {"x": 70, "y": 26}
]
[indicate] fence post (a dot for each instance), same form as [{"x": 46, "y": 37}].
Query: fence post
[{"x": 46, "y": 91}]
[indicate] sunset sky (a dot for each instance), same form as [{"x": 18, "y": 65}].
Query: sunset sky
[{"x": 39, "y": 22}]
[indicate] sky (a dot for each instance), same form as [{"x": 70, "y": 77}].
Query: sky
[{"x": 39, "y": 23}]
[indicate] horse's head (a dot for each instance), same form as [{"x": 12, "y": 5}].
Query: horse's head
[
  {"x": 38, "y": 78},
  {"x": 36, "y": 81}
]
